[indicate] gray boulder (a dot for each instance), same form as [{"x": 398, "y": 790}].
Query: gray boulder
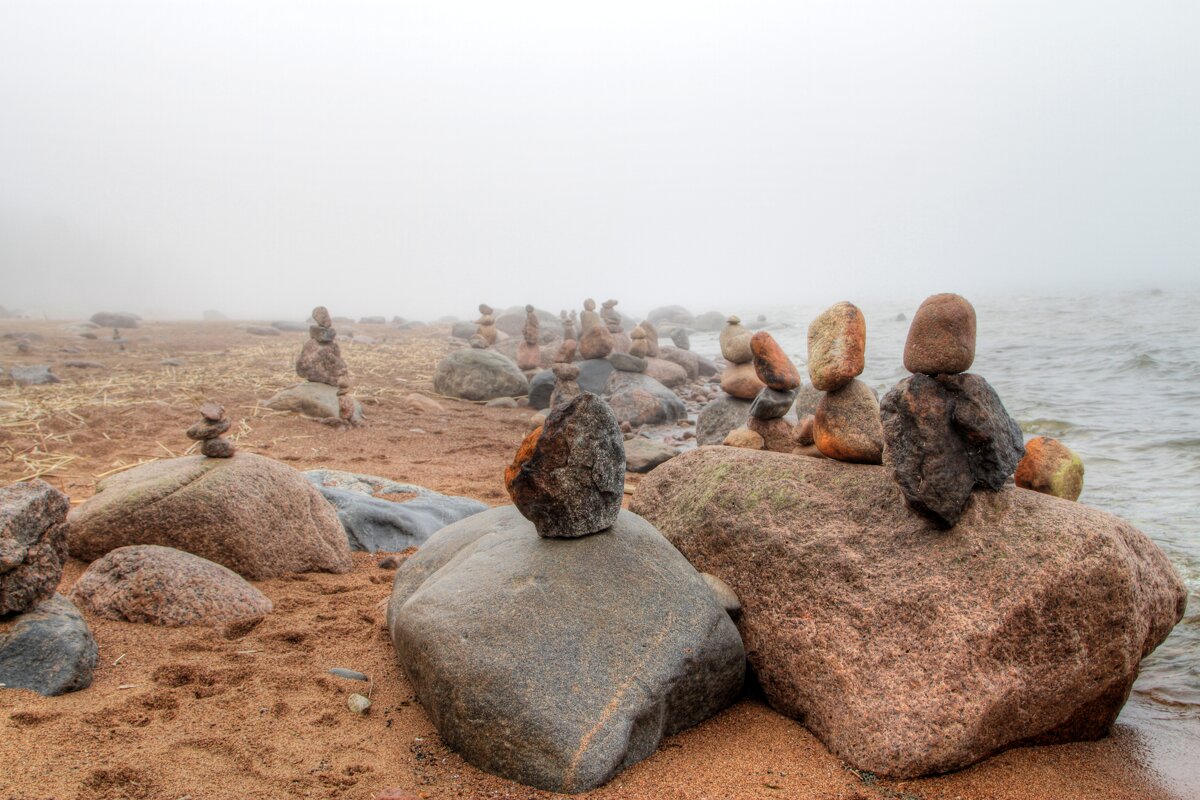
[
  {"x": 49, "y": 650},
  {"x": 560, "y": 662},
  {"x": 593, "y": 377},
  {"x": 115, "y": 319},
  {"x": 34, "y": 375},
  {"x": 289, "y": 326},
  {"x": 463, "y": 330},
  {"x": 376, "y": 524},
  {"x": 479, "y": 375},
  {"x": 643, "y": 455},
  {"x": 312, "y": 399},
  {"x": 710, "y": 321},
  {"x": 672, "y": 314},
  {"x": 718, "y": 418},
  {"x": 638, "y": 399}
]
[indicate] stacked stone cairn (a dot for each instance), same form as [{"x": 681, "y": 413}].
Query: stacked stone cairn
[
  {"x": 570, "y": 337},
  {"x": 321, "y": 361},
  {"x": 210, "y": 430},
  {"x": 612, "y": 321},
  {"x": 651, "y": 334},
  {"x": 781, "y": 382},
  {"x": 739, "y": 379},
  {"x": 633, "y": 360},
  {"x": 846, "y": 426},
  {"x": 946, "y": 430},
  {"x": 564, "y": 495},
  {"x": 529, "y": 353},
  {"x": 487, "y": 333},
  {"x": 566, "y": 373},
  {"x": 595, "y": 340}
]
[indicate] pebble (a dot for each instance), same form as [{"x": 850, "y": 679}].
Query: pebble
[
  {"x": 358, "y": 703},
  {"x": 389, "y": 562},
  {"x": 350, "y": 674}
]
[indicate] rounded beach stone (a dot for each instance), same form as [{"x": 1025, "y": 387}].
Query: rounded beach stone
[
  {"x": 627, "y": 362},
  {"x": 741, "y": 381},
  {"x": 1050, "y": 467},
  {"x": 941, "y": 338},
  {"x": 165, "y": 586},
  {"x": 479, "y": 375},
  {"x": 837, "y": 345},
  {"x": 772, "y": 404},
  {"x": 779, "y": 435},
  {"x": 772, "y": 365},
  {"x": 596, "y": 342},
  {"x": 847, "y": 425},
  {"x": 320, "y": 315},
  {"x": 744, "y": 437},
  {"x": 568, "y": 477},
  {"x": 735, "y": 342}
]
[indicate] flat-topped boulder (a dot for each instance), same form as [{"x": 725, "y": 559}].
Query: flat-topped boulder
[
  {"x": 479, "y": 375},
  {"x": 910, "y": 650},
  {"x": 638, "y": 399},
  {"x": 560, "y": 662},
  {"x": 315, "y": 400},
  {"x": 256, "y": 516}
]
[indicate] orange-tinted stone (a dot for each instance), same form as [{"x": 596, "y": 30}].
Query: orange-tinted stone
[
  {"x": 941, "y": 339},
  {"x": 847, "y": 425},
  {"x": 771, "y": 364},
  {"x": 1051, "y": 468},
  {"x": 524, "y": 453},
  {"x": 837, "y": 346}
]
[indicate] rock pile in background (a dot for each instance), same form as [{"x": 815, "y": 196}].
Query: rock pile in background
[
  {"x": 487, "y": 325},
  {"x": 846, "y": 424},
  {"x": 529, "y": 353},
  {"x": 612, "y": 321},
  {"x": 325, "y": 394},
  {"x": 739, "y": 378}
]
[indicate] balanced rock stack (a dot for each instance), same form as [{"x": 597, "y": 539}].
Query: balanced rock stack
[
  {"x": 570, "y": 342},
  {"x": 781, "y": 382},
  {"x": 846, "y": 425},
  {"x": 739, "y": 379},
  {"x": 612, "y": 320},
  {"x": 529, "y": 354},
  {"x": 611, "y": 603},
  {"x": 209, "y": 432},
  {"x": 487, "y": 326},
  {"x": 947, "y": 431},
  {"x": 651, "y": 334},
  {"x": 326, "y": 395},
  {"x": 634, "y": 359},
  {"x": 595, "y": 341}
]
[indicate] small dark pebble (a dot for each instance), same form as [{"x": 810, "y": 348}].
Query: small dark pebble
[
  {"x": 348, "y": 673},
  {"x": 389, "y": 562}
]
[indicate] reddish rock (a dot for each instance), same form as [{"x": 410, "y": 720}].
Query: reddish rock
[
  {"x": 164, "y": 586},
  {"x": 778, "y": 434},
  {"x": 256, "y": 516},
  {"x": 568, "y": 477},
  {"x": 529, "y": 356},
  {"x": 652, "y": 348},
  {"x": 597, "y": 342},
  {"x": 772, "y": 365},
  {"x": 837, "y": 346},
  {"x": 666, "y": 372},
  {"x": 906, "y": 649},
  {"x": 1051, "y": 468},
  {"x": 847, "y": 427},
  {"x": 33, "y": 544},
  {"x": 741, "y": 381},
  {"x": 321, "y": 363},
  {"x": 320, "y": 315},
  {"x": 218, "y": 448},
  {"x": 213, "y": 412},
  {"x": 804, "y": 431},
  {"x": 566, "y": 352},
  {"x": 208, "y": 429},
  {"x": 941, "y": 338}
]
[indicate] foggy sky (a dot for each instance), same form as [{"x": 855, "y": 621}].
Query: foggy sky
[{"x": 416, "y": 159}]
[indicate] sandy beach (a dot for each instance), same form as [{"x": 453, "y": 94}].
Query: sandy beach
[{"x": 251, "y": 711}]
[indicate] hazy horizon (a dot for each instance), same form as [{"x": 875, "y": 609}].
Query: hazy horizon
[{"x": 400, "y": 159}]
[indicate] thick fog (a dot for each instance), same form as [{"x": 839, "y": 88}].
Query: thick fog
[{"x": 418, "y": 158}]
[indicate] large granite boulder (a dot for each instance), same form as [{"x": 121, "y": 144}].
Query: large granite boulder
[
  {"x": 666, "y": 372},
  {"x": 593, "y": 377},
  {"x": 638, "y": 399},
  {"x": 674, "y": 314},
  {"x": 33, "y": 544},
  {"x": 312, "y": 399},
  {"x": 719, "y": 417},
  {"x": 909, "y": 650},
  {"x": 48, "y": 649},
  {"x": 115, "y": 319},
  {"x": 479, "y": 375},
  {"x": 560, "y": 662},
  {"x": 165, "y": 586},
  {"x": 256, "y": 516},
  {"x": 406, "y": 516}
]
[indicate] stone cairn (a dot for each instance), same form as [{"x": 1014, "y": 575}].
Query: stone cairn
[
  {"x": 210, "y": 430},
  {"x": 947, "y": 432},
  {"x": 321, "y": 361},
  {"x": 568, "y": 327},
  {"x": 487, "y": 333},
  {"x": 846, "y": 426},
  {"x": 612, "y": 320},
  {"x": 739, "y": 378},
  {"x": 595, "y": 340},
  {"x": 651, "y": 335},
  {"x": 529, "y": 353},
  {"x": 781, "y": 383},
  {"x": 568, "y": 477},
  {"x": 635, "y": 359}
]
